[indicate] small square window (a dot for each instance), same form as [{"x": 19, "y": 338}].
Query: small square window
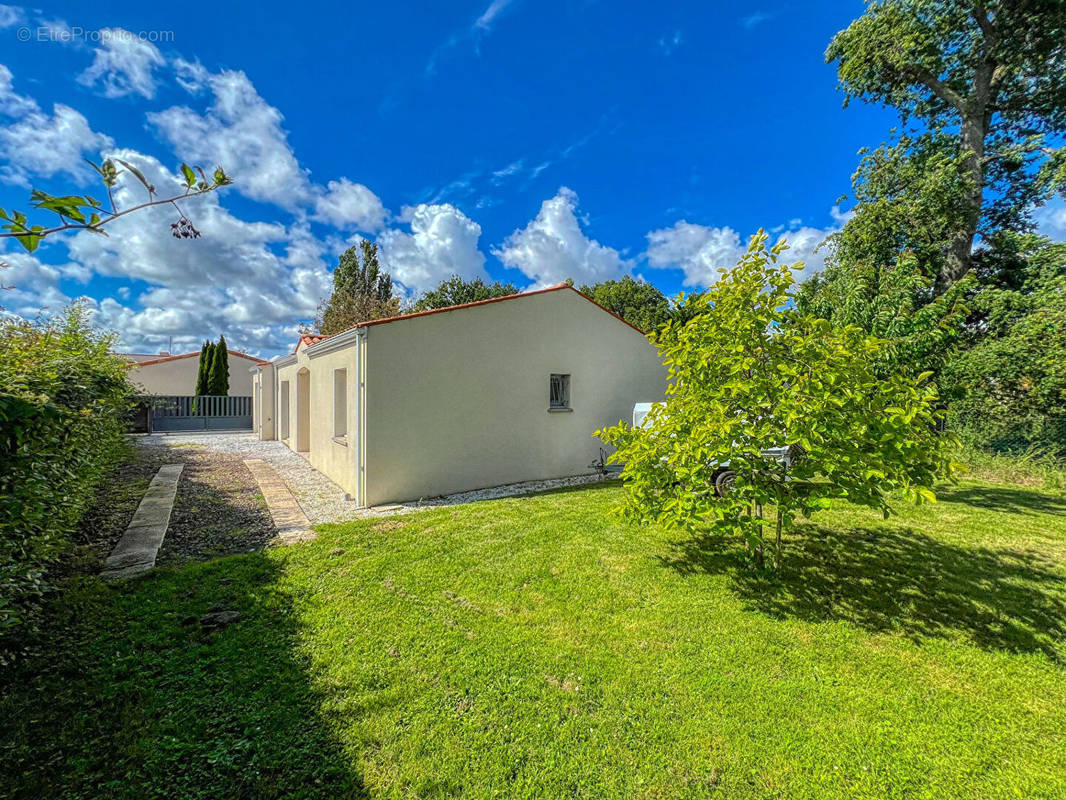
[{"x": 559, "y": 392}]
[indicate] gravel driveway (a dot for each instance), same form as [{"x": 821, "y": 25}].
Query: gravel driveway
[{"x": 321, "y": 499}]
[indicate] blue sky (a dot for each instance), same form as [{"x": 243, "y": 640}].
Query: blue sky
[{"x": 509, "y": 139}]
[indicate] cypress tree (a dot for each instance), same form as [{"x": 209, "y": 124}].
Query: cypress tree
[
  {"x": 205, "y": 364},
  {"x": 218, "y": 382}
]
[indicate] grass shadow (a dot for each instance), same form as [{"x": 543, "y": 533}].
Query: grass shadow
[
  {"x": 136, "y": 692},
  {"x": 886, "y": 578},
  {"x": 1005, "y": 499}
]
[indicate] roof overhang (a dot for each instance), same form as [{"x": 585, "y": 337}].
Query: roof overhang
[{"x": 342, "y": 339}]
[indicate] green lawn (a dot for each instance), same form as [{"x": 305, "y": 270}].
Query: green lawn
[{"x": 535, "y": 647}]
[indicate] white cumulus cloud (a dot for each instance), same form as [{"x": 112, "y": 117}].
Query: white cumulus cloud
[
  {"x": 243, "y": 133},
  {"x": 553, "y": 247},
  {"x": 345, "y": 204},
  {"x": 40, "y": 144},
  {"x": 123, "y": 64},
  {"x": 443, "y": 241},
  {"x": 253, "y": 281},
  {"x": 700, "y": 251},
  {"x": 11, "y": 103}
]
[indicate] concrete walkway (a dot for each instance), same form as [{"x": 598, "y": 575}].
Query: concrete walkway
[
  {"x": 136, "y": 550},
  {"x": 288, "y": 517}
]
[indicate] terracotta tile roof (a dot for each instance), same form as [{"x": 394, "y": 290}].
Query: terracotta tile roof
[
  {"x": 163, "y": 359},
  {"x": 313, "y": 339}
]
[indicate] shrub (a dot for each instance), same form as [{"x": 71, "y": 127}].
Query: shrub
[{"x": 63, "y": 399}]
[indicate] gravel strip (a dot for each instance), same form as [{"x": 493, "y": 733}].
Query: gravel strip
[
  {"x": 321, "y": 499},
  {"x": 218, "y": 511}
]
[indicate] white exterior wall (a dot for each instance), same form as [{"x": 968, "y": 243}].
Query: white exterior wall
[
  {"x": 459, "y": 400},
  {"x": 263, "y": 398},
  {"x": 335, "y": 457},
  {"x": 178, "y": 375}
]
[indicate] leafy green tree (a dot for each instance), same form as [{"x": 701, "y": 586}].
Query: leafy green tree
[
  {"x": 748, "y": 374},
  {"x": 908, "y": 201},
  {"x": 986, "y": 80},
  {"x": 1007, "y": 389},
  {"x": 361, "y": 291},
  {"x": 896, "y": 304},
  {"x": 637, "y": 302},
  {"x": 204, "y": 367},
  {"x": 218, "y": 378},
  {"x": 455, "y": 291}
]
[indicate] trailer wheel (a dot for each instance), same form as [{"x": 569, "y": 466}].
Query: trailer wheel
[{"x": 724, "y": 482}]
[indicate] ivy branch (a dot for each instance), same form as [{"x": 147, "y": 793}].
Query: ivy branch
[{"x": 83, "y": 212}]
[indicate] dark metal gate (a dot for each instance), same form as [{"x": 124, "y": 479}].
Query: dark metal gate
[{"x": 201, "y": 413}]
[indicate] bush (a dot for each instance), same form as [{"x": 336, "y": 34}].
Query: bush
[{"x": 63, "y": 399}]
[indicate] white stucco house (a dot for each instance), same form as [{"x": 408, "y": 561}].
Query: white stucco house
[
  {"x": 461, "y": 398},
  {"x": 176, "y": 375}
]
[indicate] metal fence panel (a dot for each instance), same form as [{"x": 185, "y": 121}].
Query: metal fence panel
[{"x": 201, "y": 412}]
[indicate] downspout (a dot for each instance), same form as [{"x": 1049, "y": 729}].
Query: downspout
[
  {"x": 360, "y": 418},
  {"x": 277, "y": 403}
]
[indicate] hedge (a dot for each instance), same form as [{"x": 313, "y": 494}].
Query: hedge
[{"x": 63, "y": 401}]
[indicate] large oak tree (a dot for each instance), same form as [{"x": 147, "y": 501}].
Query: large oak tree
[{"x": 981, "y": 88}]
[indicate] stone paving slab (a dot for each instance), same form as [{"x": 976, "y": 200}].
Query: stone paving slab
[
  {"x": 136, "y": 550},
  {"x": 289, "y": 518}
]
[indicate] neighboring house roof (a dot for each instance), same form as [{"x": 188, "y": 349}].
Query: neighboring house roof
[
  {"x": 164, "y": 359},
  {"x": 312, "y": 339},
  {"x": 136, "y": 357}
]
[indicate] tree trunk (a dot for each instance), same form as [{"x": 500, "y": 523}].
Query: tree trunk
[
  {"x": 777, "y": 542},
  {"x": 960, "y": 247},
  {"x": 760, "y": 559},
  {"x": 973, "y": 130}
]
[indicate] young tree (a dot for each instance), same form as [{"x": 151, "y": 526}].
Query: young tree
[
  {"x": 987, "y": 80},
  {"x": 455, "y": 291},
  {"x": 204, "y": 368},
  {"x": 218, "y": 379},
  {"x": 361, "y": 291},
  {"x": 749, "y": 374},
  {"x": 637, "y": 302}
]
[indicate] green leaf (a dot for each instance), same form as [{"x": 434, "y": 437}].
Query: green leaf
[
  {"x": 95, "y": 166},
  {"x": 29, "y": 241},
  {"x": 138, "y": 175},
  {"x": 221, "y": 179},
  {"x": 190, "y": 176}
]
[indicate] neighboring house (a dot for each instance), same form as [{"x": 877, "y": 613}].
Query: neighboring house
[
  {"x": 176, "y": 375},
  {"x": 482, "y": 394}
]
